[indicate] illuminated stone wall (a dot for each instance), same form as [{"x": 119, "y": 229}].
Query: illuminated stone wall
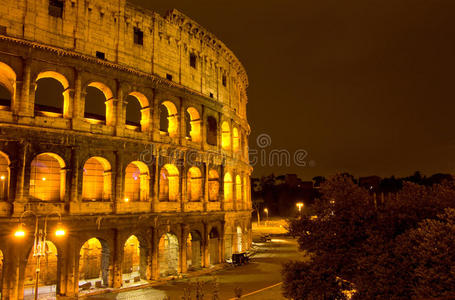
[{"x": 186, "y": 176}]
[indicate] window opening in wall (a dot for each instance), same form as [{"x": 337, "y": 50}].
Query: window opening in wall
[
  {"x": 169, "y": 77},
  {"x": 211, "y": 95},
  {"x": 56, "y": 8},
  {"x": 138, "y": 36},
  {"x": 100, "y": 55},
  {"x": 193, "y": 60},
  {"x": 224, "y": 79},
  {"x": 3, "y": 30}
]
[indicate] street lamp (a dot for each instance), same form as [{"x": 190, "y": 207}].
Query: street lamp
[
  {"x": 267, "y": 216},
  {"x": 300, "y": 205},
  {"x": 39, "y": 243}
]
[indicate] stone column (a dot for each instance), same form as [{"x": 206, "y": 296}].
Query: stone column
[
  {"x": 206, "y": 185},
  {"x": 203, "y": 128},
  {"x": 154, "y": 257},
  {"x": 25, "y": 105},
  {"x": 156, "y": 191},
  {"x": 222, "y": 242},
  {"x": 183, "y": 179},
  {"x": 118, "y": 189},
  {"x": 74, "y": 175},
  {"x": 117, "y": 263},
  {"x": 182, "y": 257},
  {"x": 20, "y": 178},
  {"x": 205, "y": 246},
  {"x": 79, "y": 97},
  {"x": 221, "y": 191}
]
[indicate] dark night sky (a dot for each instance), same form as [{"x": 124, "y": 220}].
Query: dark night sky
[{"x": 364, "y": 86}]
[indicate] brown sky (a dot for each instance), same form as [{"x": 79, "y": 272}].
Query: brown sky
[{"x": 364, "y": 86}]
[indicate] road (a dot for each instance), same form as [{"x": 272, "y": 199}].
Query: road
[{"x": 258, "y": 280}]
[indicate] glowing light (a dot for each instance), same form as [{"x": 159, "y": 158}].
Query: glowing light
[
  {"x": 300, "y": 205},
  {"x": 127, "y": 199},
  {"x": 43, "y": 179},
  {"x": 60, "y": 232},
  {"x": 19, "y": 232},
  {"x": 266, "y": 210},
  {"x": 2, "y": 177}
]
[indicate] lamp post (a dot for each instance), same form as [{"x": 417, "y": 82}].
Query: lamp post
[
  {"x": 39, "y": 242},
  {"x": 267, "y": 216}
]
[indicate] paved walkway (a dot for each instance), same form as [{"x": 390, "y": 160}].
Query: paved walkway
[{"x": 263, "y": 272}]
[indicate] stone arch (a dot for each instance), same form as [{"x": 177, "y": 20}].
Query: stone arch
[
  {"x": 194, "y": 184},
  {"x": 94, "y": 257},
  {"x": 225, "y": 136},
  {"x": 228, "y": 184},
  {"x": 48, "y": 276},
  {"x": 99, "y": 104},
  {"x": 212, "y": 131},
  {"x": 238, "y": 191},
  {"x": 169, "y": 118},
  {"x": 52, "y": 94},
  {"x": 7, "y": 86},
  {"x": 214, "y": 246},
  {"x": 214, "y": 185},
  {"x": 47, "y": 177},
  {"x": 96, "y": 179},
  {"x": 193, "y": 250},
  {"x": 169, "y": 183},
  {"x": 168, "y": 254},
  {"x": 236, "y": 140},
  {"x": 136, "y": 182},
  {"x": 4, "y": 176},
  {"x": 138, "y": 111},
  {"x": 134, "y": 262},
  {"x": 193, "y": 124}
]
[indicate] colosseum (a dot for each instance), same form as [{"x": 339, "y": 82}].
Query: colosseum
[{"x": 123, "y": 148}]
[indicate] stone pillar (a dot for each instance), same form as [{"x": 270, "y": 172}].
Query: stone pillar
[
  {"x": 221, "y": 191},
  {"x": 181, "y": 197},
  {"x": 117, "y": 262},
  {"x": 182, "y": 256},
  {"x": 203, "y": 128},
  {"x": 118, "y": 189},
  {"x": 20, "y": 178},
  {"x": 205, "y": 246},
  {"x": 111, "y": 109},
  {"x": 156, "y": 191},
  {"x": 74, "y": 197},
  {"x": 11, "y": 271},
  {"x": 146, "y": 120},
  {"x": 154, "y": 257},
  {"x": 206, "y": 185},
  {"x": 182, "y": 123},
  {"x": 25, "y": 106},
  {"x": 79, "y": 97},
  {"x": 148, "y": 272},
  {"x": 222, "y": 242}
]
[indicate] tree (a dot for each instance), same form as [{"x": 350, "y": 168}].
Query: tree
[{"x": 371, "y": 246}]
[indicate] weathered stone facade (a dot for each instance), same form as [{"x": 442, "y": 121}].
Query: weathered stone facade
[{"x": 108, "y": 179}]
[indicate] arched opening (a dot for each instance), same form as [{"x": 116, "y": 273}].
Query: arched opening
[
  {"x": 7, "y": 86},
  {"x": 98, "y": 108},
  {"x": 94, "y": 259},
  {"x": 48, "y": 272},
  {"x": 96, "y": 180},
  {"x": 169, "y": 183},
  {"x": 236, "y": 139},
  {"x": 193, "y": 125},
  {"x": 225, "y": 136},
  {"x": 194, "y": 184},
  {"x": 47, "y": 177},
  {"x": 4, "y": 176},
  {"x": 168, "y": 255},
  {"x": 214, "y": 246},
  {"x": 133, "y": 111},
  {"x": 136, "y": 182},
  {"x": 134, "y": 261},
  {"x": 238, "y": 191},
  {"x": 52, "y": 94},
  {"x": 212, "y": 129},
  {"x": 228, "y": 187},
  {"x": 193, "y": 250},
  {"x": 168, "y": 118},
  {"x": 214, "y": 185},
  {"x": 138, "y": 111},
  {"x": 239, "y": 240},
  {"x": 228, "y": 243}
]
